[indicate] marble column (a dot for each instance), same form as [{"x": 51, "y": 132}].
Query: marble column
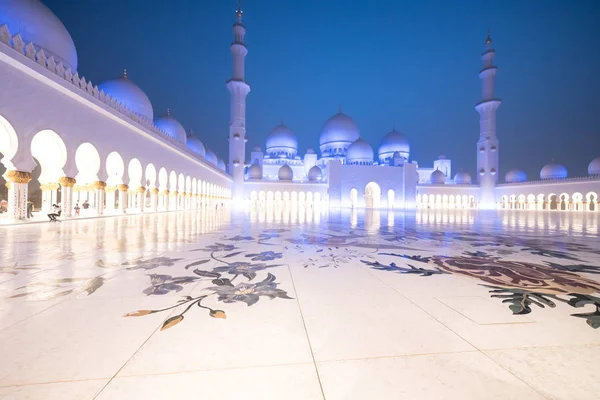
[
  {"x": 109, "y": 192},
  {"x": 173, "y": 201},
  {"x": 17, "y": 193},
  {"x": 67, "y": 195},
  {"x": 164, "y": 200},
  {"x": 123, "y": 198},
  {"x": 141, "y": 198},
  {"x": 100, "y": 194},
  {"x": 154, "y": 199}
]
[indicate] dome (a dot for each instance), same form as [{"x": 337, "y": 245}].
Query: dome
[
  {"x": 594, "y": 167},
  {"x": 391, "y": 143},
  {"x": 515, "y": 175},
  {"x": 437, "y": 177},
  {"x": 254, "y": 172},
  {"x": 462, "y": 178},
  {"x": 553, "y": 171},
  {"x": 315, "y": 174},
  {"x": 221, "y": 165},
  {"x": 171, "y": 127},
  {"x": 359, "y": 152},
  {"x": 282, "y": 142},
  {"x": 195, "y": 145},
  {"x": 37, "y": 24},
  {"x": 256, "y": 149},
  {"x": 286, "y": 173},
  {"x": 337, "y": 134},
  {"x": 211, "y": 157},
  {"x": 128, "y": 93},
  {"x": 310, "y": 151}
]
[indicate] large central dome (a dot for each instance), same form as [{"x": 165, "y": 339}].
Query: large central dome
[
  {"x": 37, "y": 24},
  {"x": 337, "y": 134},
  {"x": 282, "y": 142}
]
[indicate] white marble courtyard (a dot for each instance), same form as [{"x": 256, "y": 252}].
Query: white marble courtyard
[{"x": 436, "y": 304}]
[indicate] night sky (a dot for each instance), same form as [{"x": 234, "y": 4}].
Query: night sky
[{"x": 412, "y": 64}]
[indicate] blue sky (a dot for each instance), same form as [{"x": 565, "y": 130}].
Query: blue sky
[{"x": 412, "y": 64}]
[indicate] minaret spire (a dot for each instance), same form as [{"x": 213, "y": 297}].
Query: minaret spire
[
  {"x": 487, "y": 146},
  {"x": 239, "y": 89}
]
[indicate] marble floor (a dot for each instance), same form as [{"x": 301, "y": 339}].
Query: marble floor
[{"x": 302, "y": 304}]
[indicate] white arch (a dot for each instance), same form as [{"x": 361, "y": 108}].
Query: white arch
[
  {"x": 163, "y": 178},
  {"x": 134, "y": 170},
  {"x": 115, "y": 168},
  {"x": 372, "y": 195},
  {"x": 50, "y": 150},
  {"x": 9, "y": 143},
  {"x": 150, "y": 176}
]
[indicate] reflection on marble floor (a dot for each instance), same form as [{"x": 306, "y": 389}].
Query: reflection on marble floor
[{"x": 312, "y": 303}]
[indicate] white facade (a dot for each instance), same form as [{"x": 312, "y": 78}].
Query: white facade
[{"x": 87, "y": 143}]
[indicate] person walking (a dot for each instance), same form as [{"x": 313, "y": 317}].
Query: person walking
[{"x": 77, "y": 209}]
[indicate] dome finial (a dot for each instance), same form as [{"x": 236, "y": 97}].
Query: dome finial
[
  {"x": 168, "y": 112},
  {"x": 239, "y": 11},
  {"x": 124, "y": 73},
  {"x": 488, "y": 40},
  {"x": 340, "y": 108}
]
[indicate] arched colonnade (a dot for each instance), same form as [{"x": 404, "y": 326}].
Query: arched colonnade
[{"x": 115, "y": 183}]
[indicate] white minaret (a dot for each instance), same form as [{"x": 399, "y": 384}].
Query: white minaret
[
  {"x": 487, "y": 146},
  {"x": 239, "y": 89}
]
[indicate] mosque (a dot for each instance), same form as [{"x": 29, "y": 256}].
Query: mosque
[{"x": 68, "y": 140}]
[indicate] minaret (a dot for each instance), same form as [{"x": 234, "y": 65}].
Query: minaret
[
  {"x": 239, "y": 89},
  {"x": 487, "y": 146}
]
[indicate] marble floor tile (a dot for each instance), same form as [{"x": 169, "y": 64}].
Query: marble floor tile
[
  {"x": 290, "y": 382},
  {"x": 387, "y": 304},
  {"x": 75, "y": 340},
  {"x": 75, "y": 390},
  {"x": 457, "y": 376},
  {"x": 559, "y": 373}
]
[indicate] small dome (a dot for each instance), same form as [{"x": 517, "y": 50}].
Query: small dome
[
  {"x": 553, "y": 171},
  {"x": 128, "y": 93},
  {"x": 462, "y": 178},
  {"x": 437, "y": 177},
  {"x": 286, "y": 173},
  {"x": 254, "y": 172},
  {"x": 282, "y": 142},
  {"x": 310, "y": 151},
  {"x": 195, "y": 145},
  {"x": 171, "y": 127},
  {"x": 393, "y": 142},
  {"x": 359, "y": 152},
  {"x": 211, "y": 157},
  {"x": 221, "y": 165},
  {"x": 38, "y": 25},
  {"x": 515, "y": 175},
  {"x": 315, "y": 174},
  {"x": 594, "y": 167},
  {"x": 256, "y": 149},
  {"x": 337, "y": 134}
]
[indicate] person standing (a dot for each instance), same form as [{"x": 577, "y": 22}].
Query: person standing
[
  {"x": 77, "y": 209},
  {"x": 29, "y": 209}
]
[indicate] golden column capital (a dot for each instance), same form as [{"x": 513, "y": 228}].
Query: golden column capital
[
  {"x": 99, "y": 185},
  {"x": 155, "y": 191},
  {"x": 66, "y": 181},
  {"x": 175, "y": 193},
  {"x": 18, "y": 176},
  {"x": 165, "y": 192},
  {"x": 111, "y": 189},
  {"x": 141, "y": 190},
  {"x": 53, "y": 186},
  {"x": 122, "y": 187}
]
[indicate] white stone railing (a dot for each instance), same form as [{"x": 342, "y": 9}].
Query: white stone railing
[{"x": 39, "y": 56}]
